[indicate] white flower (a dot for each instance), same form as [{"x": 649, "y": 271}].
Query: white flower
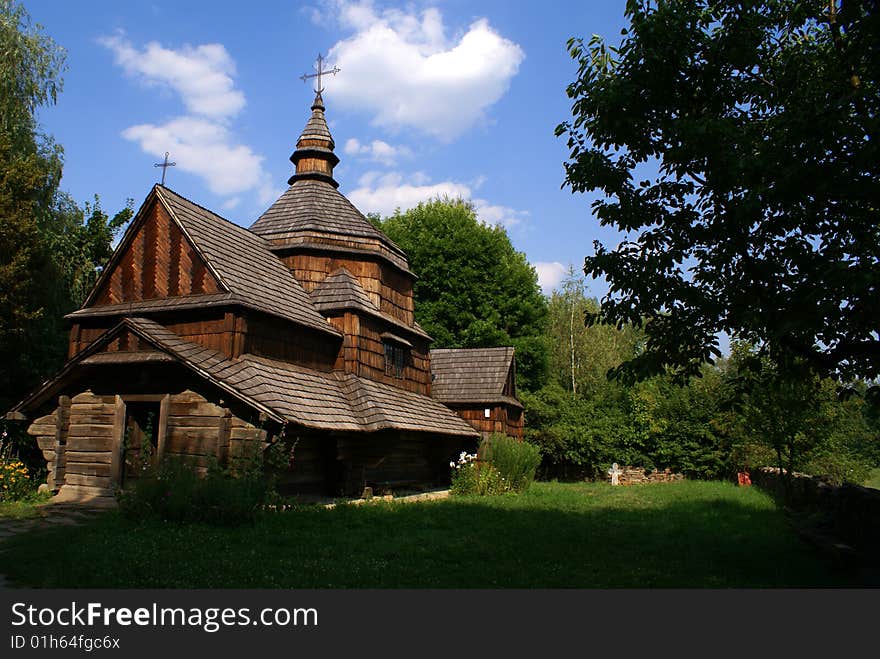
[{"x": 452, "y": 464}]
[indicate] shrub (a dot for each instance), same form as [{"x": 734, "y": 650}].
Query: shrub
[
  {"x": 473, "y": 476},
  {"x": 15, "y": 481},
  {"x": 174, "y": 491},
  {"x": 516, "y": 461}
]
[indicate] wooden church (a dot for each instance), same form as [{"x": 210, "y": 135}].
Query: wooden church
[{"x": 209, "y": 341}]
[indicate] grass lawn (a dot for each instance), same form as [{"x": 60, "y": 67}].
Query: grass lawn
[
  {"x": 874, "y": 480},
  {"x": 22, "y": 509},
  {"x": 684, "y": 534}
]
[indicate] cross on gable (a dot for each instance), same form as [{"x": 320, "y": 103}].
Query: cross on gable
[
  {"x": 321, "y": 71},
  {"x": 164, "y": 165}
]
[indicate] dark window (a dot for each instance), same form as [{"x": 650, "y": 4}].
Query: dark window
[{"x": 396, "y": 359}]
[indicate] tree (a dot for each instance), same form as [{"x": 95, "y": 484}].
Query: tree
[
  {"x": 50, "y": 248},
  {"x": 581, "y": 356},
  {"x": 30, "y": 170},
  {"x": 789, "y": 416},
  {"x": 474, "y": 289},
  {"x": 735, "y": 146}
]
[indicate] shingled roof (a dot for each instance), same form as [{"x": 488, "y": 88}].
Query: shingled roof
[
  {"x": 341, "y": 290},
  {"x": 471, "y": 375},
  {"x": 243, "y": 263},
  {"x": 285, "y": 392},
  {"x": 310, "y": 205},
  {"x": 327, "y": 401},
  {"x": 316, "y": 127}
]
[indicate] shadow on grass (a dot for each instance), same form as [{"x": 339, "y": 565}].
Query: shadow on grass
[{"x": 555, "y": 536}]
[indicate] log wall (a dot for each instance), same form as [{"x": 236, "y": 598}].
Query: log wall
[
  {"x": 389, "y": 461},
  {"x": 81, "y": 439}
]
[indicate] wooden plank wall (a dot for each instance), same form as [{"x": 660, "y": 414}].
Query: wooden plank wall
[
  {"x": 50, "y": 432},
  {"x": 514, "y": 419},
  {"x": 371, "y": 359},
  {"x": 270, "y": 337},
  {"x": 210, "y": 328},
  {"x": 502, "y": 419},
  {"x": 84, "y": 427},
  {"x": 390, "y": 290},
  {"x": 394, "y": 460},
  {"x": 159, "y": 262},
  {"x": 76, "y": 441},
  {"x": 309, "y": 460},
  {"x": 194, "y": 429}
]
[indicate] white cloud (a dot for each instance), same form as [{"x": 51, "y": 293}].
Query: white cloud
[
  {"x": 200, "y": 142},
  {"x": 403, "y": 69},
  {"x": 549, "y": 274},
  {"x": 385, "y": 193},
  {"x": 201, "y": 75},
  {"x": 376, "y": 150},
  {"x": 204, "y": 148},
  {"x": 494, "y": 214}
]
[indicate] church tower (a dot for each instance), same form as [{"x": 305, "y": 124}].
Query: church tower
[{"x": 356, "y": 276}]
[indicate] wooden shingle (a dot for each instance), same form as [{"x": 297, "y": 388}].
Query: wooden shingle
[
  {"x": 477, "y": 375},
  {"x": 312, "y": 399},
  {"x": 244, "y": 264}
]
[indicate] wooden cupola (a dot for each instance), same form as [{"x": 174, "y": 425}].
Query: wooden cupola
[{"x": 314, "y": 157}]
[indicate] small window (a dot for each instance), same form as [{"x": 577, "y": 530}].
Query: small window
[
  {"x": 487, "y": 413},
  {"x": 396, "y": 359}
]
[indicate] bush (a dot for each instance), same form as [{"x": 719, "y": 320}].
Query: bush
[
  {"x": 15, "y": 481},
  {"x": 515, "y": 460},
  {"x": 174, "y": 491},
  {"x": 473, "y": 476}
]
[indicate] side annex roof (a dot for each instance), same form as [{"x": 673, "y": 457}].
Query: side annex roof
[{"x": 465, "y": 375}]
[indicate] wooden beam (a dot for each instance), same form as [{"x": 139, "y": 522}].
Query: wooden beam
[
  {"x": 116, "y": 444},
  {"x": 163, "y": 426}
]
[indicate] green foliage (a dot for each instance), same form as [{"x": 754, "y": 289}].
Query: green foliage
[
  {"x": 576, "y": 435},
  {"x": 50, "y": 250},
  {"x": 798, "y": 420},
  {"x": 15, "y": 481},
  {"x": 581, "y": 355},
  {"x": 474, "y": 289},
  {"x": 81, "y": 241},
  {"x": 175, "y": 491},
  {"x": 699, "y": 131},
  {"x": 516, "y": 461},
  {"x": 477, "y": 478},
  {"x": 729, "y": 419}
]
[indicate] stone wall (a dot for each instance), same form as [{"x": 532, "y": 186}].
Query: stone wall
[
  {"x": 850, "y": 512},
  {"x": 636, "y": 475}
]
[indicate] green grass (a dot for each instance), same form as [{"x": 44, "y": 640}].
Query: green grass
[
  {"x": 685, "y": 534},
  {"x": 23, "y": 509},
  {"x": 874, "y": 479}
]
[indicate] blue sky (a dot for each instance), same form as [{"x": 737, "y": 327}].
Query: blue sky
[{"x": 449, "y": 96}]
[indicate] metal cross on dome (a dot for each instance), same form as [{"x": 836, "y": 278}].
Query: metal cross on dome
[{"x": 321, "y": 71}]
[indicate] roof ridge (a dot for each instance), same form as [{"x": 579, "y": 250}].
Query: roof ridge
[{"x": 161, "y": 187}]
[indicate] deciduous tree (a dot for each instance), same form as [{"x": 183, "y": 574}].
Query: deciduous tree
[
  {"x": 735, "y": 147},
  {"x": 474, "y": 289}
]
